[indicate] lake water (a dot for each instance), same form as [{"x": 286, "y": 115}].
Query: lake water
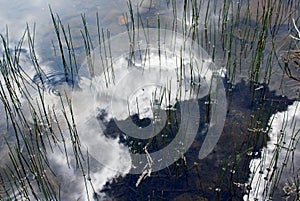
[{"x": 159, "y": 116}]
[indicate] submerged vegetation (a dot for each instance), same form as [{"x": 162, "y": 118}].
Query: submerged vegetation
[{"x": 252, "y": 48}]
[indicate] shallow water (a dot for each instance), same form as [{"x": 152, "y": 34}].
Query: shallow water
[
  {"x": 104, "y": 95},
  {"x": 284, "y": 140}
]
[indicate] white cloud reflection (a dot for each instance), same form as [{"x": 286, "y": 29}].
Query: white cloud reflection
[{"x": 284, "y": 144}]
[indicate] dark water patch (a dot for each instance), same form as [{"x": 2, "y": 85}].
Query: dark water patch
[
  {"x": 161, "y": 139},
  {"x": 223, "y": 174}
]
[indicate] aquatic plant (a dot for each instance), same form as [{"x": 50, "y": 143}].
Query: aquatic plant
[{"x": 40, "y": 128}]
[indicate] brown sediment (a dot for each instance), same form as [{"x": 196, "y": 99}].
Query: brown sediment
[
  {"x": 189, "y": 197},
  {"x": 123, "y": 20}
]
